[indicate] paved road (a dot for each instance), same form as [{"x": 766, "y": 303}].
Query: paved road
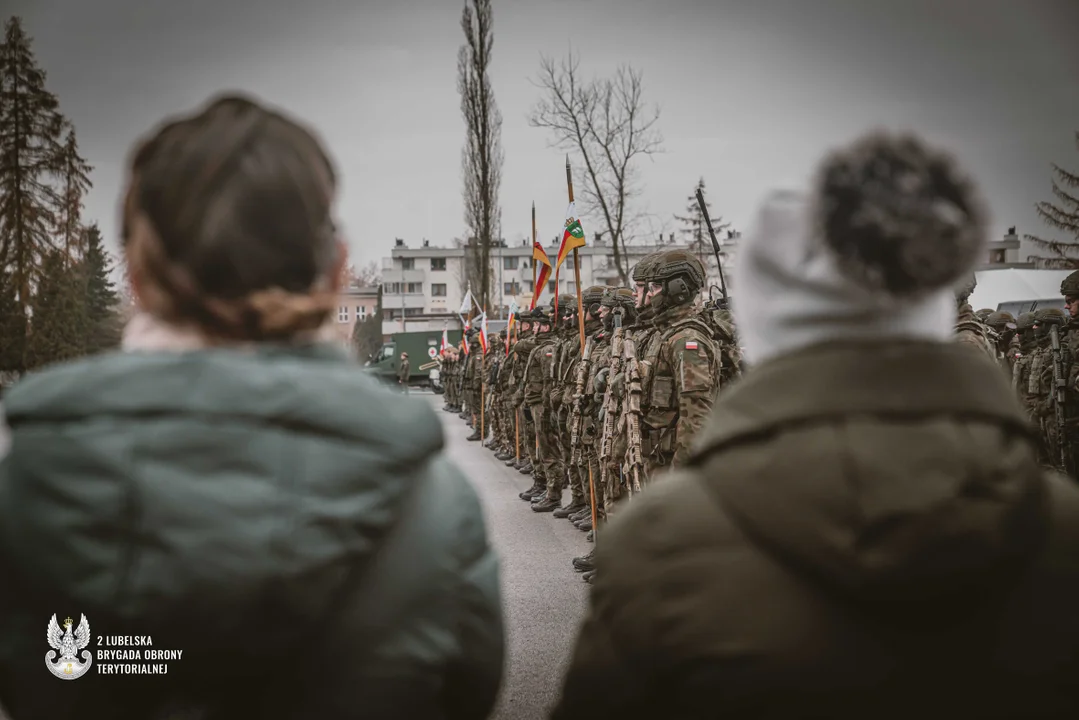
[{"x": 544, "y": 599}]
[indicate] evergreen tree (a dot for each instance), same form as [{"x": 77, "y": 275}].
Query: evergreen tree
[
  {"x": 58, "y": 313},
  {"x": 12, "y": 326},
  {"x": 367, "y": 335},
  {"x": 102, "y": 327},
  {"x": 30, "y": 130},
  {"x": 1062, "y": 215},
  {"x": 74, "y": 174}
]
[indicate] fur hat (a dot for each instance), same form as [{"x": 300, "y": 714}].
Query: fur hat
[{"x": 874, "y": 251}]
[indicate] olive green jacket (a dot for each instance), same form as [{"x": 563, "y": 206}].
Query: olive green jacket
[{"x": 863, "y": 531}]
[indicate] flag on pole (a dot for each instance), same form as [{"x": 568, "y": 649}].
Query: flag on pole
[
  {"x": 466, "y": 304},
  {"x": 483, "y": 332},
  {"x": 514, "y": 310},
  {"x": 445, "y": 342},
  {"x": 539, "y": 256},
  {"x": 572, "y": 238}
]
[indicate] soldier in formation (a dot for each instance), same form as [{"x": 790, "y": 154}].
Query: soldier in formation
[{"x": 597, "y": 427}]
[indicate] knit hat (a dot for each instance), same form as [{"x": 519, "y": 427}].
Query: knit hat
[{"x": 872, "y": 253}]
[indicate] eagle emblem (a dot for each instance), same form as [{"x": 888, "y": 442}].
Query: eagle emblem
[{"x": 68, "y": 645}]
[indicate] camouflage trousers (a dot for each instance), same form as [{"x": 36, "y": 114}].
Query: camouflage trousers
[
  {"x": 550, "y": 462},
  {"x": 528, "y": 439}
]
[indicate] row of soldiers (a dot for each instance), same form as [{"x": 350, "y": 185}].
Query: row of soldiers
[
  {"x": 1037, "y": 352},
  {"x": 600, "y": 424},
  {"x": 604, "y": 424}
]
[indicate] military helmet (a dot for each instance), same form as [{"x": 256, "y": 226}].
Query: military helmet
[
  {"x": 983, "y": 314},
  {"x": 675, "y": 263},
  {"x": 1050, "y": 316},
  {"x": 642, "y": 270},
  {"x": 623, "y": 297},
  {"x": 541, "y": 315},
  {"x": 566, "y": 303},
  {"x": 1026, "y": 321},
  {"x": 593, "y": 297},
  {"x": 1000, "y": 320},
  {"x": 1069, "y": 287}
]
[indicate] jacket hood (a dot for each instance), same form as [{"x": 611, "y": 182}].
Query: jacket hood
[
  {"x": 900, "y": 473},
  {"x": 146, "y": 482}
]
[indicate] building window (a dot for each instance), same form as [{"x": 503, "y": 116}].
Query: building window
[
  {"x": 408, "y": 263},
  {"x": 996, "y": 256},
  {"x": 391, "y": 288},
  {"x": 391, "y": 314},
  {"x": 550, "y": 286},
  {"x": 571, "y": 287},
  {"x": 530, "y": 285},
  {"x": 510, "y": 288},
  {"x": 438, "y": 263},
  {"x": 414, "y": 289},
  {"x": 412, "y": 312},
  {"x": 568, "y": 264},
  {"x": 361, "y": 313},
  {"x": 510, "y": 263},
  {"x": 438, "y": 289},
  {"x": 342, "y": 314}
]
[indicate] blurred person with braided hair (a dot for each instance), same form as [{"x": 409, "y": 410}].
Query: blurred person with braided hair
[{"x": 225, "y": 482}]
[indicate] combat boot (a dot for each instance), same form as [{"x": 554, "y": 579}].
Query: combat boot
[
  {"x": 585, "y": 525},
  {"x": 526, "y": 469},
  {"x": 580, "y": 515},
  {"x": 549, "y": 503},
  {"x": 536, "y": 489},
  {"x": 511, "y": 461},
  {"x": 589, "y": 576},
  {"x": 475, "y": 436},
  {"x": 572, "y": 508},
  {"x": 584, "y": 563},
  {"x": 503, "y": 456},
  {"x": 590, "y": 537}
]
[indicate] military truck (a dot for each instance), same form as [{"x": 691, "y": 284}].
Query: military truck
[{"x": 422, "y": 348}]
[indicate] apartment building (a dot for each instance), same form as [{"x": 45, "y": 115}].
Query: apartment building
[
  {"x": 354, "y": 305},
  {"x": 423, "y": 287}
]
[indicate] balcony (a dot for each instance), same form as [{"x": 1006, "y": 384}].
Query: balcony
[{"x": 390, "y": 301}]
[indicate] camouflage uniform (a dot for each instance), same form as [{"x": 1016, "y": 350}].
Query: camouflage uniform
[
  {"x": 522, "y": 350},
  {"x": 969, "y": 330},
  {"x": 1069, "y": 288},
  {"x": 679, "y": 366},
  {"x": 537, "y": 376},
  {"x": 1006, "y": 344},
  {"x": 1043, "y": 381},
  {"x": 1028, "y": 344}
]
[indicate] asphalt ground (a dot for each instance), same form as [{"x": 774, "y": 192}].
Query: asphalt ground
[{"x": 544, "y": 599}]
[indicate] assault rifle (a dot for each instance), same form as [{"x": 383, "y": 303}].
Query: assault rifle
[
  {"x": 610, "y": 400},
  {"x": 632, "y": 405},
  {"x": 1060, "y": 387},
  {"x": 578, "y": 404}
]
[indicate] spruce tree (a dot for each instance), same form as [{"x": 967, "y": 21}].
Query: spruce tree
[
  {"x": 695, "y": 229},
  {"x": 1062, "y": 215},
  {"x": 58, "y": 313},
  {"x": 74, "y": 175},
  {"x": 30, "y": 130},
  {"x": 12, "y": 327},
  {"x": 101, "y": 312}
]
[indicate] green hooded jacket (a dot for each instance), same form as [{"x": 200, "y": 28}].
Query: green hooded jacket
[{"x": 288, "y": 524}]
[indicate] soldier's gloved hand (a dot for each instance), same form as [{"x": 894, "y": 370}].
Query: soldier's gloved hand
[
  {"x": 599, "y": 384},
  {"x": 618, "y": 385}
]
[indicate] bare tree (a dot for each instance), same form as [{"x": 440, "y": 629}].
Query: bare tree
[
  {"x": 481, "y": 157},
  {"x": 1062, "y": 215},
  {"x": 369, "y": 275},
  {"x": 606, "y": 123}
]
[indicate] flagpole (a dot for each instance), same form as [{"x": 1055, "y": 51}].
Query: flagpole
[
  {"x": 534, "y": 288},
  {"x": 580, "y": 326}
]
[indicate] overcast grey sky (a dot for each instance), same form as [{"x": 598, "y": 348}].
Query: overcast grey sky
[{"x": 752, "y": 92}]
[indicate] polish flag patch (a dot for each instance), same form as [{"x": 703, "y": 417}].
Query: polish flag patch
[{"x": 691, "y": 344}]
